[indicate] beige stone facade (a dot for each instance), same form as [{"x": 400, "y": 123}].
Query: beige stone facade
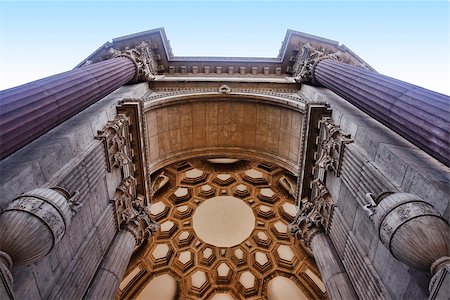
[{"x": 225, "y": 178}]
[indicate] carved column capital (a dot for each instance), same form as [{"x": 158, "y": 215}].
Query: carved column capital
[
  {"x": 143, "y": 60},
  {"x": 313, "y": 216},
  {"x": 331, "y": 146},
  {"x": 307, "y": 59},
  {"x": 117, "y": 143},
  {"x": 131, "y": 213}
]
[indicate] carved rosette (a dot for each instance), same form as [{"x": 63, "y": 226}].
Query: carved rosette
[
  {"x": 413, "y": 231},
  {"x": 33, "y": 223},
  {"x": 331, "y": 146},
  {"x": 313, "y": 216},
  {"x": 307, "y": 59},
  {"x": 131, "y": 212},
  {"x": 143, "y": 60},
  {"x": 117, "y": 143}
]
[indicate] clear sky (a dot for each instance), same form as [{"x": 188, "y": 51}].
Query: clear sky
[{"x": 408, "y": 40}]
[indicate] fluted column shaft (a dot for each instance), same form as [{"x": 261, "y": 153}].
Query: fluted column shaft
[
  {"x": 333, "y": 273},
  {"x": 32, "y": 109},
  {"x": 113, "y": 267},
  {"x": 419, "y": 115}
]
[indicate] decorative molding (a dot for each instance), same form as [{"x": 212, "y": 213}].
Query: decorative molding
[
  {"x": 331, "y": 146},
  {"x": 131, "y": 213},
  {"x": 290, "y": 94},
  {"x": 313, "y": 216},
  {"x": 117, "y": 143},
  {"x": 142, "y": 58}
]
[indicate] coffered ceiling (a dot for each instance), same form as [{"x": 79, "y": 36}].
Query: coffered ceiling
[{"x": 223, "y": 235}]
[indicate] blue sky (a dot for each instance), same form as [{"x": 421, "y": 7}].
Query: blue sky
[{"x": 408, "y": 40}]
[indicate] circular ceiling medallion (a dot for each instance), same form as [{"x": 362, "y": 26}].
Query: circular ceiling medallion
[{"x": 223, "y": 221}]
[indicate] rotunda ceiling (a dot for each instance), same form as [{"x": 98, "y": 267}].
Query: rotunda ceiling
[{"x": 223, "y": 235}]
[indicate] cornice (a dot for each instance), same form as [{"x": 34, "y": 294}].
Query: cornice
[{"x": 171, "y": 65}]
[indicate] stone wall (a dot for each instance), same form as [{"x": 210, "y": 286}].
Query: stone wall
[
  {"x": 378, "y": 160},
  {"x": 69, "y": 156}
]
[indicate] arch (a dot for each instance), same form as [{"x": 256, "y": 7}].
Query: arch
[{"x": 242, "y": 125}]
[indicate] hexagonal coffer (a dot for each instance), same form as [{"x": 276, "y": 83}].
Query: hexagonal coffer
[
  {"x": 261, "y": 261},
  {"x": 255, "y": 177},
  {"x": 267, "y": 195},
  {"x": 206, "y": 191},
  {"x": 285, "y": 257},
  {"x": 167, "y": 228},
  {"x": 224, "y": 179},
  {"x": 199, "y": 283},
  {"x": 184, "y": 260},
  {"x": 194, "y": 176},
  {"x": 180, "y": 195},
  {"x": 160, "y": 255},
  {"x": 248, "y": 284},
  {"x": 184, "y": 239},
  {"x": 207, "y": 256},
  {"x": 224, "y": 273}
]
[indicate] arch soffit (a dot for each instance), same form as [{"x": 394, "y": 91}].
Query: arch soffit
[{"x": 279, "y": 141}]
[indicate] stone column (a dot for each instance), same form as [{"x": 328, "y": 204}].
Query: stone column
[
  {"x": 134, "y": 226},
  {"x": 332, "y": 271},
  {"x": 113, "y": 267},
  {"x": 417, "y": 114},
  {"x": 310, "y": 225},
  {"x": 32, "y": 109}
]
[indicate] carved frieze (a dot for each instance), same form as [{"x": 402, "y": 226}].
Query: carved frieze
[
  {"x": 131, "y": 213},
  {"x": 331, "y": 146},
  {"x": 117, "y": 143},
  {"x": 142, "y": 57},
  {"x": 313, "y": 216}
]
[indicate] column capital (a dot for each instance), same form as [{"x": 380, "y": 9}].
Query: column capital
[
  {"x": 143, "y": 60},
  {"x": 117, "y": 144},
  {"x": 332, "y": 142},
  {"x": 131, "y": 213},
  {"x": 307, "y": 59},
  {"x": 313, "y": 216}
]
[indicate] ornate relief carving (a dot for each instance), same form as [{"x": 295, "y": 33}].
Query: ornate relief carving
[
  {"x": 313, "y": 216},
  {"x": 331, "y": 146},
  {"x": 117, "y": 142},
  {"x": 131, "y": 212},
  {"x": 33, "y": 223},
  {"x": 404, "y": 222},
  {"x": 290, "y": 94},
  {"x": 307, "y": 59},
  {"x": 142, "y": 57}
]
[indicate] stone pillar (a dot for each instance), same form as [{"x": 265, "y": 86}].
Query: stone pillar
[
  {"x": 331, "y": 269},
  {"x": 113, "y": 267},
  {"x": 417, "y": 114},
  {"x": 32, "y": 109},
  {"x": 134, "y": 227},
  {"x": 310, "y": 225}
]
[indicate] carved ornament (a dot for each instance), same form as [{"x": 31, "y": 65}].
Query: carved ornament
[
  {"x": 117, "y": 143},
  {"x": 143, "y": 60},
  {"x": 307, "y": 59},
  {"x": 313, "y": 216},
  {"x": 131, "y": 213},
  {"x": 331, "y": 146}
]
